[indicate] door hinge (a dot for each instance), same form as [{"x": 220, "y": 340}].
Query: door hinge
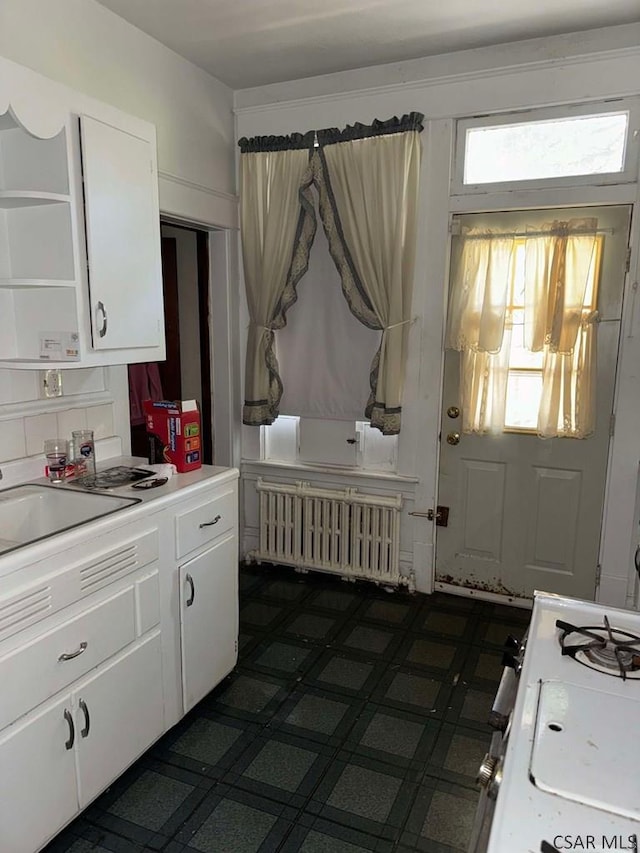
[
  {"x": 627, "y": 265},
  {"x": 455, "y": 227},
  {"x": 235, "y": 643},
  {"x": 612, "y": 424},
  {"x": 598, "y": 575}
]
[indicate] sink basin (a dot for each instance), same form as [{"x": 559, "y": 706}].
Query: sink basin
[{"x": 32, "y": 512}]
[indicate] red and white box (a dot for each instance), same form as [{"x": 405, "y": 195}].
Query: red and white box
[{"x": 173, "y": 430}]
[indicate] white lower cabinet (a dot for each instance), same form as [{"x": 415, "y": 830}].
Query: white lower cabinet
[
  {"x": 118, "y": 714},
  {"x": 38, "y": 788},
  {"x": 209, "y": 619},
  {"x": 58, "y": 759},
  {"x": 99, "y": 655}
]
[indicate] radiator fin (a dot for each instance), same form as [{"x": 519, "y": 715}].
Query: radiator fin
[{"x": 335, "y": 530}]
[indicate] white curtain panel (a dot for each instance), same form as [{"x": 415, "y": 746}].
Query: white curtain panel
[
  {"x": 481, "y": 277},
  {"x": 368, "y": 201},
  {"x": 558, "y": 267},
  {"x": 277, "y": 232}
]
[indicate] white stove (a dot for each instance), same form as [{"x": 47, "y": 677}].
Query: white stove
[{"x": 566, "y": 773}]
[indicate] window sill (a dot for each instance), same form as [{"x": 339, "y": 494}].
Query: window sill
[{"x": 258, "y": 466}]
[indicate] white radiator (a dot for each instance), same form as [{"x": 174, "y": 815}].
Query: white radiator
[{"x": 332, "y": 530}]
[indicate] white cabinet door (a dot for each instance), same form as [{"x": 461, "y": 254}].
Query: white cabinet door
[
  {"x": 118, "y": 714},
  {"x": 38, "y": 793},
  {"x": 209, "y": 620},
  {"x": 123, "y": 238}
]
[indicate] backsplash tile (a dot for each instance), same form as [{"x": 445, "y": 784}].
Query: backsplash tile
[
  {"x": 37, "y": 429},
  {"x": 69, "y": 420},
  {"x": 100, "y": 420},
  {"x": 12, "y": 440},
  {"x": 21, "y": 438}
]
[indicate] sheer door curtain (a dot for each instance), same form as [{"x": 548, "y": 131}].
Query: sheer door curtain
[{"x": 559, "y": 319}]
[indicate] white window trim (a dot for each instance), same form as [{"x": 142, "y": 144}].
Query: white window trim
[{"x": 631, "y": 154}]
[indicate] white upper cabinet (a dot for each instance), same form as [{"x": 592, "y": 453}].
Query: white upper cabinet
[
  {"x": 123, "y": 237},
  {"x": 80, "y": 270}
]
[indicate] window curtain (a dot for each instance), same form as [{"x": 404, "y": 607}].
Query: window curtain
[
  {"x": 367, "y": 179},
  {"x": 479, "y": 326},
  {"x": 558, "y": 260},
  {"x": 557, "y": 269},
  {"x": 277, "y": 231}
]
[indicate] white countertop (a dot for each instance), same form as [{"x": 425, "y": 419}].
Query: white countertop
[{"x": 190, "y": 483}]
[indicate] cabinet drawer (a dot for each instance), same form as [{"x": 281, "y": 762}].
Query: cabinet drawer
[
  {"x": 35, "y": 672},
  {"x": 205, "y": 522}
]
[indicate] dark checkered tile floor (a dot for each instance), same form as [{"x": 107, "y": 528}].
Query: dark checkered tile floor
[{"x": 355, "y": 721}]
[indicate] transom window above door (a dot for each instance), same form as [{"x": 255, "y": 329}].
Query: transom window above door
[{"x": 560, "y": 146}]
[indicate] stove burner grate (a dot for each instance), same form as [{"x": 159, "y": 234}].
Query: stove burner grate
[{"x": 603, "y": 648}]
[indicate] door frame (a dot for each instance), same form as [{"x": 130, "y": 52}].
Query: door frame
[
  {"x": 618, "y": 588},
  {"x": 217, "y": 260}
]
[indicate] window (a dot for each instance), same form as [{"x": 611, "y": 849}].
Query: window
[
  {"x": 522, "y": 313},
  {"x": 525, "y": 370},
  {"x": 288, "y": 439},
  {"x": 559, "y": 146}
]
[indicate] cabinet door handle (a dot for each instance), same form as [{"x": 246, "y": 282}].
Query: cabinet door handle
[
  {"x": 102, "y": 331},
  {"x": 87, "y": 720},
  {"x": 72, "y": 731},
  {"x": 210, "y": 523},
  {"x": 191, "y": 598},
  {"x": 71, "y": 655}
]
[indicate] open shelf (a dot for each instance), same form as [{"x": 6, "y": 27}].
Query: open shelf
[
  {"x": 21, "y": 198},
  {"x": 17, "y": 283},
  {"x": 38, "y": 324}
]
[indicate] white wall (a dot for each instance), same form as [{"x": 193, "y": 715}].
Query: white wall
[
  {"x": 81, "y": 44},
  {"x": 563, "y": 69},
  {"x": 87, "y": 47}
]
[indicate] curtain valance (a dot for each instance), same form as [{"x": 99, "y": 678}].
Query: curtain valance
[
  {"x": 410, "y": 121},
  {"x": 292, "y": 142}
]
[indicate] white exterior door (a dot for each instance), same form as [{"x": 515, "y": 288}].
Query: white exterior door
[{"x": 525, "y": 513}]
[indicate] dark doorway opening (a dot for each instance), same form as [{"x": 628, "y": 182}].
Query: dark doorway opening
[{"x": 186, "y": 372}]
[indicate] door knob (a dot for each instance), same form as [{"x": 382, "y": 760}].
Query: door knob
[
  {"x": 453, "y": 412},
  {"x": 453, "y": 438}
]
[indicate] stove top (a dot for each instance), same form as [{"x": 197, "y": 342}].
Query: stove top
[
  {"x": 601, "y": 647},
  {"x": 571, "y": 767}
]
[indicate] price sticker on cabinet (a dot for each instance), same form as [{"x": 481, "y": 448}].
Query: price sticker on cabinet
[{"x": 59, "y": 346}]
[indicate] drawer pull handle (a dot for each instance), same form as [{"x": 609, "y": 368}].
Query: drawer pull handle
[
  {"x": 191, "y": 598},
  {"x": 68, "y": 744},
  {"x": 210, "y": 523},
  {"x": 87, "y": 720},
  {"x": 71, "y": 655}
]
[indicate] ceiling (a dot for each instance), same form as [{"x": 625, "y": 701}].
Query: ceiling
[{"x": 246, "y": 43}]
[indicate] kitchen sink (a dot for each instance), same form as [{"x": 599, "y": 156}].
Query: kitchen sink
[{"x": 32, "y": 512}]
